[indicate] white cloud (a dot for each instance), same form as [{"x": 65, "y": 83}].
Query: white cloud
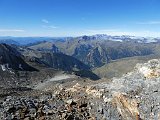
[
  {"x": 149, "y": 23},
  {"x": 49, "y": 26},
  {"x": 53, "y": 27},
  {"x": 45, "y": 21},
  {"x": 11, "y": 30}
]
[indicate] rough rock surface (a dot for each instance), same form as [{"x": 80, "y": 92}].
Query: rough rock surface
[{"x": 135, "y": 96}]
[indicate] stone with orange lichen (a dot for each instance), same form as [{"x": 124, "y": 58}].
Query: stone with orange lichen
[{"x": 127, "y": 107}]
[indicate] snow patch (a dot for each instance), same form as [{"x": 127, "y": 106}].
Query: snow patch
[
  {"x": 61, "y": 77},
  {"x": 3, "y": 67}
]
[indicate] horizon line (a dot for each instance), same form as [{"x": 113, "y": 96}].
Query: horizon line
[{"x": 80, "y": 36}]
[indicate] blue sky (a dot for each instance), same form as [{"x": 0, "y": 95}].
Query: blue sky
[{"x": 79, "y": 17}]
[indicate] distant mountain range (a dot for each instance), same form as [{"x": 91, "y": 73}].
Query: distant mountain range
[
  {"x": 77, "y": 54},
  {"x": 96, "y": 53},
  {"x": 28, "y": 40},
  {"x": 32, "y": 40},
  {"x": 121, "y": 38}
]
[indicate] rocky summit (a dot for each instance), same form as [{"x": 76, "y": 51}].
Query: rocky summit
[{"x": 134, "y": 96}]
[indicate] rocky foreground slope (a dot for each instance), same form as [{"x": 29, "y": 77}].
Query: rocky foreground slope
[{"x": 135, "y": 96}]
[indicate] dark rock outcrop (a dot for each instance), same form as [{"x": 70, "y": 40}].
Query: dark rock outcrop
[{"x": 10, "y": 58}]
